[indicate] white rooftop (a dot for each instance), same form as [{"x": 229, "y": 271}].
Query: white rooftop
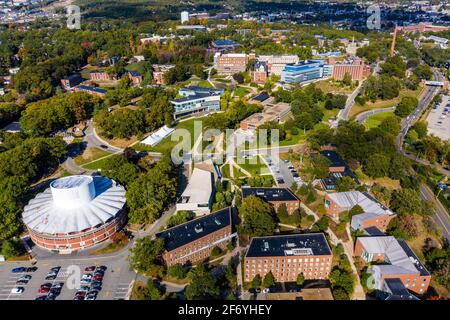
[
  {"x": 158, "y": 136},
  {"x": 394, "y": 253},
  {"x": 73, "y": 204},
  {"x": 199, "y": 188}
]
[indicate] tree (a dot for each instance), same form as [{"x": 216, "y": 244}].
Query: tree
[
  {"x": 345, "y": 184},
  {"x": 180, "y": 217},
  {"x": 154, "y": 292},
  {"x": 322, "y": 224},
  {"x": 257, "y": 216},
  {"x": 391, "y": 125},
  {"x": 406, "y": 201},
  {"x": 256, "y": 282},
  {"x": 347, "y": 79},
  {"x": 269, "y": 280},
  {"x": 177, "y": 271},
  {"x": 406, "y": 106},
  {"x": 146, "y": 254},
  {"x": 117, "y": 167},
  {"x": 421, "y": 128},
  {"x": 403, "y": 227},
  {"x": 300, "y": 279},
  {"x": 202, "y": 286},
  {"x": 377, "y": 165},
  {"x": 216, "y": 251},
  {"x": 12, "y": 248}
]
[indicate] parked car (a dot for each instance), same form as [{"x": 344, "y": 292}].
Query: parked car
[
  {"x": 96, "y": 283},
  {"x": 84, "y": 288},
  {"x": 41, "y": 298},
  {"x": 266, "y": 290},
  {"x": 51, "y": 296},
  {"x": 44, "y": 290},
  {"x": 89, "y": 269},
  {"x": 51, "y": 277},
  {"x": 58, "y": 285},
  {"x": 86, "y": 276},
  {"x": 98, "y": 277},
  {"x": 55, "y": 269},
  {"x": 31, "y": 269},
  {"x": 80, "y": 294},
  {"x": 21, "y": 282},
  {"x": 25, "y": 277},
  {"x": 17, "y": 290},
  {"x": 85, "y": 281},
  {"x": 102, "y": 268},
  {"x": 78, "y": 298},
  {"x": 46, "y": 285},
  {"x": 96, "y": 288},
  {"x": 18, "y": 270}
]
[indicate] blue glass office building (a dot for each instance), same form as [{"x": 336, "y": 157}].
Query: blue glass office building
[{"x": 304, "y": 71}]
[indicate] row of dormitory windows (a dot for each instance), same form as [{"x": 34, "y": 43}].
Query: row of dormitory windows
[
  {"x": 197, "y": 245},
  {"x": 288, "y": 276},
  {"x": 298, "y": 270},
  {"x": 195, "y": 256},
  {"x": 284, "y": 260}
]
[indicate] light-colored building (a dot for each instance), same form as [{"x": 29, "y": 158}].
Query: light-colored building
[
  {"x": 230, "y": 63},
  {"x": 277, "y": 62},
  {"x": 75, "y": 213},
  {"x": 306, "y": 71},
  {"x": 196, "y": 100},
  {"x": 277, "y": 113},
  {"x": 198, "y": 195},
  {"x": 184, "y": 16},
  {"x": 422, "y": 27},
  {"x": 400, "y": 263},
  {"x": 374, "y": 213}
]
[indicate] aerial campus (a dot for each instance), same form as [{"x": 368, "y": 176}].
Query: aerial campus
[{"x": 224, "y": 150}]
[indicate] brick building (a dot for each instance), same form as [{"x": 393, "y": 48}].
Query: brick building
[
  {"x": 135, "y": 78},
  {"x": 422, "y": 27},
  {"x": 375, "y": 214},
  {"x": 71, "y": 81},
  {"x": 286, "y": 256},
  {"x": 274, "y": 196},
  {"x": 277, "y": 62},
  {"x": 400, "y": 263},
  {"x": 193, "y": 241},
  {"x": 159, "y": 70},
  {"x": 260, "y": 73},
  {"x": 356, "y": 68},
  {"x": 99, "y": 76},
  {"x": 337, "y": 169},
  {"x": 230, "y": 63}
]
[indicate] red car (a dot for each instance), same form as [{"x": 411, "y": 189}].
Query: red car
[
  {"x": 98, "y": 277},
  {"x": 44, "y": 290},
  {"x": 80, "y": 294},
  {"x": 89, "y": 269}
]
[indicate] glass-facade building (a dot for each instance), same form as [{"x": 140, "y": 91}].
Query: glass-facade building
[{"x": 305, "y": 71}]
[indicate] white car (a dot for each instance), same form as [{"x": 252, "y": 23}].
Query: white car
[
  {"x": 266, "y": 290},
  {"x": 17, "y": 290},
  {"x": 86, "y": 276}
]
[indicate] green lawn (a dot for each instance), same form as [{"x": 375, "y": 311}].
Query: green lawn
[
  {"x": 257, "y": 168},
  {"x": 139, "y": 67},
  {"x": 237, "y": 173},
  {"x": 89, "y": 155},
  {"x": 205, "y": 84},
  {"x": 96, "y": 164},
  {"x": 375, "y": 120},
  {"x": 225, "y": 171},
  {"x": 241, "y": 92}
]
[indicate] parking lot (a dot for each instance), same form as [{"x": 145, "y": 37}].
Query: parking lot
[
  {"x": 282, "y": 171},
  {"x": 439, "y": 119},
  {"x": 115, "y": 284}
]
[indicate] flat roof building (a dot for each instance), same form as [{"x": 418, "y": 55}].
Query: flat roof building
[
  {"x": 277, "y": 62},
  {"x": 198, "y": 103},
  {"x": 198, "y": 195},
  {"x": 286, "y": 256},
  {"x": 275, "y": 196},
  {"x": 276, "y": 113},
  {"x": 91, "y": 90},
  {"x": 230, "y": 63},
  {"x": 193, "y": 241},
  {"x": 306, "y": 71}
]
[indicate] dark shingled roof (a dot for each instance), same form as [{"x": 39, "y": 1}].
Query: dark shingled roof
[
  {"x": 374, "y": 231},
  {"x": 193, "y": 230},
  {"x": 270, "y": 194},
  {"x": 289, "y": 245},
  {"x": 398, "y": 290},
  {"x": 93, "y": 89},
  {"x": 335, "y": 159},
  {"x": 224, "y": 43}
]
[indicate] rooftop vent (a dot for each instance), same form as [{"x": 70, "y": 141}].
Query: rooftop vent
[{"x": 198, "y": 228}]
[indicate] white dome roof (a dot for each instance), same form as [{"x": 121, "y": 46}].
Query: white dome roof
[{"x": 73, "y": 204}]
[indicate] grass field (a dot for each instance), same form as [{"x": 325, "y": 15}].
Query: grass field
[
  {"x": 204, "y": 83},
  {"x": 241, "y": 92},
  {"x": 89, "y": 155},
  {"x": 96, "y": 164},
  {"x": 139, "y": 67},
  {"x": 254, "y": 165},
  {"x": 357, "y": 109},
  {"x": 333, "y": 87},
  {"x": 376, "y": 119}
]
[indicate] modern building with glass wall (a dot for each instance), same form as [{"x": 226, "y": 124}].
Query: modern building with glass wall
[{"x": 305, "y": 71}]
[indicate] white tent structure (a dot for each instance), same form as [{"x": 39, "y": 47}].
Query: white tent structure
[{"x": 158, "y": 136}]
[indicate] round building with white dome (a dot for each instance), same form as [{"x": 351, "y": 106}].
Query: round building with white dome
[{"x": 75, "y": 213}]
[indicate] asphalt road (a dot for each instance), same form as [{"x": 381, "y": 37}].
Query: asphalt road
[
  {"x": 363, "y": 116},
  {"x": 440, "y": 217}
]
